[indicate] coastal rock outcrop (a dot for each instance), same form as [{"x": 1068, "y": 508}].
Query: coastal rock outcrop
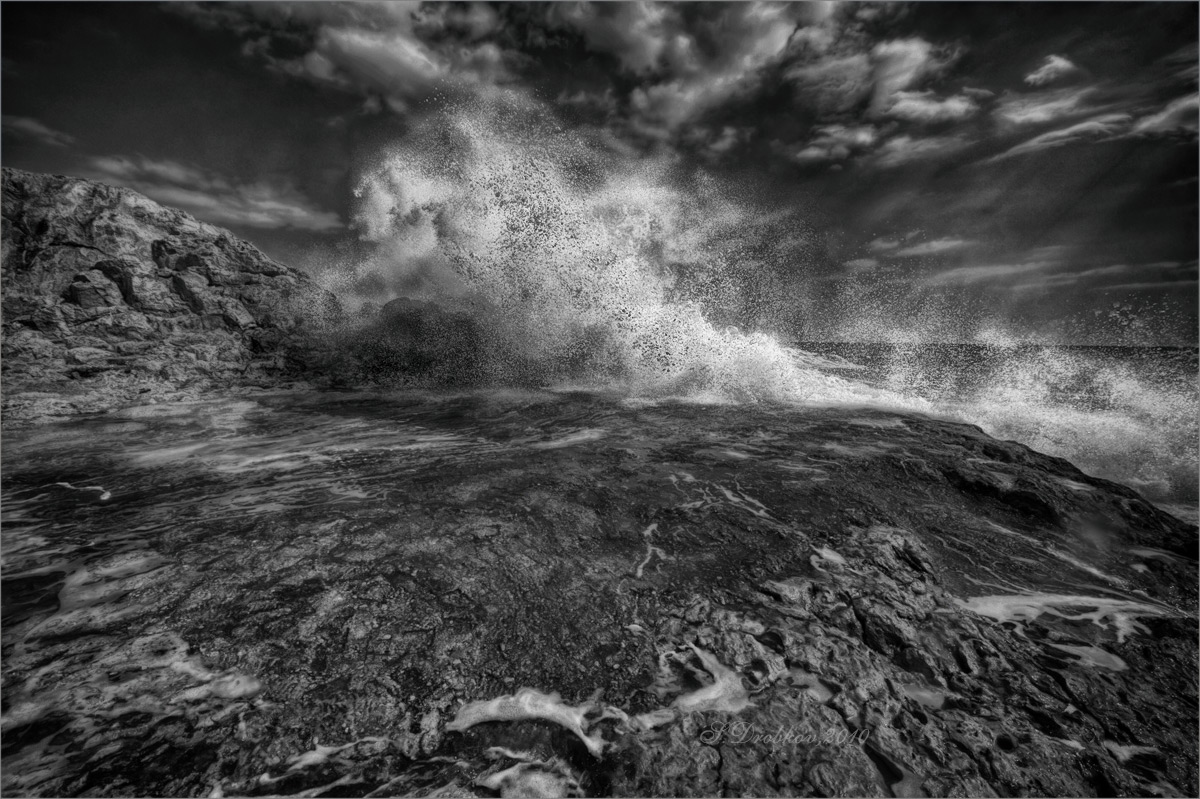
[{"x": 112, "y": 299}]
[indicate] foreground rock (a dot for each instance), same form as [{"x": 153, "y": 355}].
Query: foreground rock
[
  {"x": 532, "y": 594},
  {"x": 111, "y": 299}
]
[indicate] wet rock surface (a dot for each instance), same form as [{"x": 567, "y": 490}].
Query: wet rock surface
[
  {"x": 110, "y": 299},
  {"x": 520, "y": 594}
]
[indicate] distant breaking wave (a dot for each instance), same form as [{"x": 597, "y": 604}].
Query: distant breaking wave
[
  {"x": 603, "y": 278},
  {"x": 614, "y": 273}
]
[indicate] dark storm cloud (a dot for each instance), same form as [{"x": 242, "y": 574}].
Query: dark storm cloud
[{"x": 994, "y": 147}]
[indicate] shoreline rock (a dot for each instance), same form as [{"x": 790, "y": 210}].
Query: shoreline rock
[
  {"x": 874, "y": 604},
  {"x": 111, "y": 299}
]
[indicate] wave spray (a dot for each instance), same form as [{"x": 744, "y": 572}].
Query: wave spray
[{"x": 580, "y": 265}]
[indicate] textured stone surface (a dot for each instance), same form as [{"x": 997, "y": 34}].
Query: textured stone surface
[
  {"x": 111, "y": 299},
  {"x": 313, "y": 594}
]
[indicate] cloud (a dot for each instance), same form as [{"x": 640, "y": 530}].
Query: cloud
[
  {"x": 706, "y": 62},
  {"x": 397, "y": 63},
  {"x": 861, "y": 264},
  {"x": 906, "y": 149},
  {"x": 471, "y": 20},
  {"x": 899, "y": 64},
  {"x": 924, "y": 107},
  {"x": 1148, "y": 286},
  {"x": 1170, "y": 273},
  {"x": 981, "y": 94},
  {"x": 835, "y": 143},
  {"x": 935, "y": 247},
  {"x": 390, "y": 61},
  {"x": 404, "y": 51},
  {"x": 1183, "y": 63},
  {"x": 834, "y": 85},
  {"x": 1182, "y": 114},
  {"x": 1101, "y": 128},
  {"x": 676, "y": 63},
  {"x": 1044, "y": 106},
  {"x": 637, "y": 34},
  {"x": 981, "y": 274},
  {"x": 879, "y": 75},
  {"x": 1054, "y": 68},
  {"x": 212, "y": 197},
  {"x": 29, "y": 128},
  {"x": 728, "y": 138},
  {"x": 1061, "y": 279}
]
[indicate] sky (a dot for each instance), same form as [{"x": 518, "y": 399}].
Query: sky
[{"x": 943, "y": 171}]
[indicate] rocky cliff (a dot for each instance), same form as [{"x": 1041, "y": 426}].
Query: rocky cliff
[{"x": 111, "y": 299}]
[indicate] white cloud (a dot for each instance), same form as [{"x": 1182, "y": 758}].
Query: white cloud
[
  {"x": 981, "y": 274},
  {"x": 836, "y": 143},
  {"x": 1183, "y": 63},
  {"x": 728, "y": 138},
  {"x": 981, "y": 94},
  {"x": 935, "y": 247},
  {"x": 1170, "y": 274},
  {"x": 1181, "y": 114},
  {"x": 637, "y": 34},
  {"x": 472, "y": 20},
  {"x": 897, "y": 65},
  {"x": 1148, "y": 286},
  {"x": 1099, "y": 128},
  {"x": 1044, "y": 106},
  {"x": 926, "y": 108},
  {"x": 906, "y": 149},
  {"x": 212, "y": 197},
  {"x": 146, "y": 169},
  {"x": 29, "y": 128},
  {"x": 861, "y": 264},
  {"x": 883, "y": 244},
  {"x": 752, "y": 35},
  {"x": 1060, "y": 279},
  {"x": 401, "y": 50},
  {"x": 833, "y": 85},
  {"x": 387, "y": 61},
  {"x": 1054, "y": 68}
]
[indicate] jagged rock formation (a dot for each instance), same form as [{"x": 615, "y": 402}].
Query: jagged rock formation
[{"x": 112, "y": 299}]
